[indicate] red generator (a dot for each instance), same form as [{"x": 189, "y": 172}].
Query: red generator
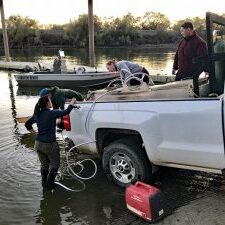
[{"x": 146, "y": 201}]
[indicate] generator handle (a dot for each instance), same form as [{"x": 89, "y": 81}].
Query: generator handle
[{"x": 147, "y": 187}]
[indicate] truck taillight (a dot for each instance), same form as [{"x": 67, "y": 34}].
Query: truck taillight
[{"x": 66, "y": 123}]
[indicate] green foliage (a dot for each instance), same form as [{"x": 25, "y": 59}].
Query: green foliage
[
  {"x": 119, "y": 31},
  {"x": 52, "y": 37},
  {"x": 198, "y": 23},
  {"x": 157, "y": 37},
  {"x": 154, "y": 21},
  {"x": 152, "y": 28},
  {"x": 76, "y": 32},
  {"x": 21, "y": 31}
]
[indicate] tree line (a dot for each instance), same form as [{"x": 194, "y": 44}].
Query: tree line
[{"x": 151, "y": 28}]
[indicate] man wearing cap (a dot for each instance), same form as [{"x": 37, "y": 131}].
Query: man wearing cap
[{"x": 59, "y": 96}]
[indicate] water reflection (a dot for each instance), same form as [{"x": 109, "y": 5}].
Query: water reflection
[
  {"x": 96, "y": 205},
  {"x": 52, "y": 205},
  {"x": 27, "y": 140},
  {"x": 13, "y": 103},
  {"x": 28, "y": 91},
  {"x": 151, "y": 58}
]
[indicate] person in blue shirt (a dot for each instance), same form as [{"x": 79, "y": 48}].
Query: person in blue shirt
[{"x": 45, "y": 142}]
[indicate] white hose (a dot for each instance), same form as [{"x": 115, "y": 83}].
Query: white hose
[
  {"x": 75, "y": 175},
  {"x": 91, "y": 109},
  {"x": 69, "y": 189},
  {"x": 80, "y": 163}
]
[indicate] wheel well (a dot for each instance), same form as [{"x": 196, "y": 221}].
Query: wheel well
[{"x": 105, "y": 136}]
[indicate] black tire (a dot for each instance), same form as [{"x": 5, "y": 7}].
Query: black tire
[{"x": 124, "y": 161}]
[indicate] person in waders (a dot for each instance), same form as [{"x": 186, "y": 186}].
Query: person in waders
[{"x": 45, "y": 142}]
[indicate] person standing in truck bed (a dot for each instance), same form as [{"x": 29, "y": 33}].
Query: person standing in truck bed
[{"x": 190, "y": 46}]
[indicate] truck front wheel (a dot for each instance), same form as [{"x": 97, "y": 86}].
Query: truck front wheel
[{"x": 123, "y": 161}]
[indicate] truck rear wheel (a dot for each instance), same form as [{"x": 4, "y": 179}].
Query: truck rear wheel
[{"x": 123, "y": 161}]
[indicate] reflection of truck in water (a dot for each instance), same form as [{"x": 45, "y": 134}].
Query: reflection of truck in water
[{"x": 136, "y": 130}]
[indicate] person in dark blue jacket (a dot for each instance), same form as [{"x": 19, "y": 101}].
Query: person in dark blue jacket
[{"x": 45, "y": 142}]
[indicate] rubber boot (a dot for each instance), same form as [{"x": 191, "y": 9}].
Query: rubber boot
[
  {"x": 44, "y": 175},
  {"x": 51, "y": 178}
]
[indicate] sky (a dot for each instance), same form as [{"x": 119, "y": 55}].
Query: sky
[{"x": 60, "y": 12}]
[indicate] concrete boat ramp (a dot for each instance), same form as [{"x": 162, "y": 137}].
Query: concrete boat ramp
[
  {"x": 195, "y": 198},
  {"x": 19, "y": 66}
]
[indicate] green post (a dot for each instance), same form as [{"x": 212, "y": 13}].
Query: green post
[
  {"x": 91, "y": 33},
  {"x": 219, "y": 47}
]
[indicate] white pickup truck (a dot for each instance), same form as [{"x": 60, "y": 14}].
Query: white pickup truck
[
  {"x": 136, "y": 130},
  {"x": 134, "y": 135}
]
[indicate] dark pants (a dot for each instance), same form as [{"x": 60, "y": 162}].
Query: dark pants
[
  {"x": 48, "y": 154},
  {"x": 183, "y": 76},
  {"x": 49, "y": 157},
  {"x": 146, "y": 78},
  {"x": 191, "y": 75}
]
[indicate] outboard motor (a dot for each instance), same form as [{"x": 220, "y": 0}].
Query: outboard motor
[
  {"x": 28, "y": 69},
  {"x": 81, "y": 70}
]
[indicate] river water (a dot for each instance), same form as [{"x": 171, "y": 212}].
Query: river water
[{"x": 22, "y": 200}]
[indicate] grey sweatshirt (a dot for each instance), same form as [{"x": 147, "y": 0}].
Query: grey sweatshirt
[{"x": 129, "y": 66}]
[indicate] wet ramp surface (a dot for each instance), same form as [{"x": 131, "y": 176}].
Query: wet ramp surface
[{"x": 193, "y": 197}]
